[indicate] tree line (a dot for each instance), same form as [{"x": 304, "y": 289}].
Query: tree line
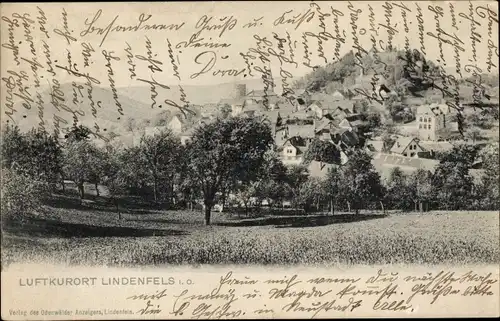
[{"x": 231, "y": 159}]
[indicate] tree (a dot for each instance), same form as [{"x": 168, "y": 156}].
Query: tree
[
  {"x": 311, "y": 192},
  {"x": 162, "y": 118},
  {"x": 491, "y": 178},
  {"x": 100, "y": 162},
  {"x": 374, "y": 121},
  {"x": 115, "y": 179},
  {"x": 225, "y": 110},
  {"x": 421, "y": 189},
  {"x": 80, "y": 159},
  {"x": 130, "y": 124},
  {"x": 134, "y": 169},
  {"x": 452, "y": 182},
  {"x": 388, "y": 141},
  {"x": 362, "y": 182},
  {"x": 398, "y": 191},
  {"x": 78, "y": 133},
  {"x": 160, "y": 153},
  {"x": 21, "y": 195},
  {"x": 36, "y": 154},
  {"x": 322, "y": 151},
  {"x": 333, "y": 187},
  {"x": 296, "y": 176},
  {"x": 271, "y": 181},
  {"x": 245, "y": 192},
  {"x": 473, "y": 134},
  {"x": 232, "y": 148}
]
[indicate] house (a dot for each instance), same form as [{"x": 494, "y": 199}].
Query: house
[
  {"x": 430, "y": 120},
  {"x": 344, "y": 139},
  {"x": 187, "y": 135},
  {"x": 303, "y": 98},
  {"x": 337, "y": 108},
  {"x": 177, "y": 124},
  {"x": 322, "y": 129},
  {"x": 353, "y": 122},
  {"x": 337, "y": 95},
  {"x": 292, "y": 151},
  {"x": 406, "y": 146},
  {"x": 317, "y": 109},
  {"x": 305, "y": 132}
]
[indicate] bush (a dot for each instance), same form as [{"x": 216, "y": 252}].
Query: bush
[{"x": 21, "y": 196}]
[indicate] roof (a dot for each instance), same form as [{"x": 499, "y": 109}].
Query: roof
[
  {"x": 299, "y": 115},
  {"x": 436, "y": 146},
  {"x": 323, "y": 123},
  {"x": 285, "y": 104},
  {"x": 260, "y": 93},
  {"x": 378, "y": 145},
  {"x": 272, "y": 115},
  {"x": 433, "y": 109},
  {"x": 389, "y": 160},
  {"x": 254, "y": 107},
  {"x": 232, "y": 101},
  {"x": 304, "y": 131},
  {"x": 400, "y": 144},
  {"x": 385, "y": 163},
  {"x": 354, "y": 117},
  {"x": 316, "y": 103},
  {"x": 357, "y": 123},
  {"x": 344, "y": 104},
  {"x": 180, "y": 117},
  {"x": 293, "y": 141},
  {"x": 338, "y": 94}
]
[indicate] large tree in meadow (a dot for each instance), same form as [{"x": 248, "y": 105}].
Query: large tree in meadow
[
  {"x": 224, "y": 150},
  {"x": 82, "y": 163}
]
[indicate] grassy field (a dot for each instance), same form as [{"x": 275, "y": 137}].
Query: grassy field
[{"x": 93, "y": 235}]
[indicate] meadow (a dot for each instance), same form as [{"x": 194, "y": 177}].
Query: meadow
[{"x": 89, "y": 234}]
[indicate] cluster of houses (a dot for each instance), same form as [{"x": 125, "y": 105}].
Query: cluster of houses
[{"x": 332, "y": 118}]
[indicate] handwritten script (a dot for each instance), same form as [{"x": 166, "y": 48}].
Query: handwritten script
[
  {"x": 237, "y": 295},
  {"x": 94, "y": 65}
]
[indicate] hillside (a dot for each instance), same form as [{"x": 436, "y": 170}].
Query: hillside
[
  {"x": 346, "y": 74},
  {"x": 135, "y": 101}
]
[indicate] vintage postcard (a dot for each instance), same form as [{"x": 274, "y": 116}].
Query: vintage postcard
[{"x": 237, "y": 160}]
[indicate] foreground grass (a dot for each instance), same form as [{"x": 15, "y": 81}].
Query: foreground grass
[{"x": 93, "y": 237}]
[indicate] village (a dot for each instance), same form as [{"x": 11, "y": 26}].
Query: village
[{"x": 337, "y": 119}]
